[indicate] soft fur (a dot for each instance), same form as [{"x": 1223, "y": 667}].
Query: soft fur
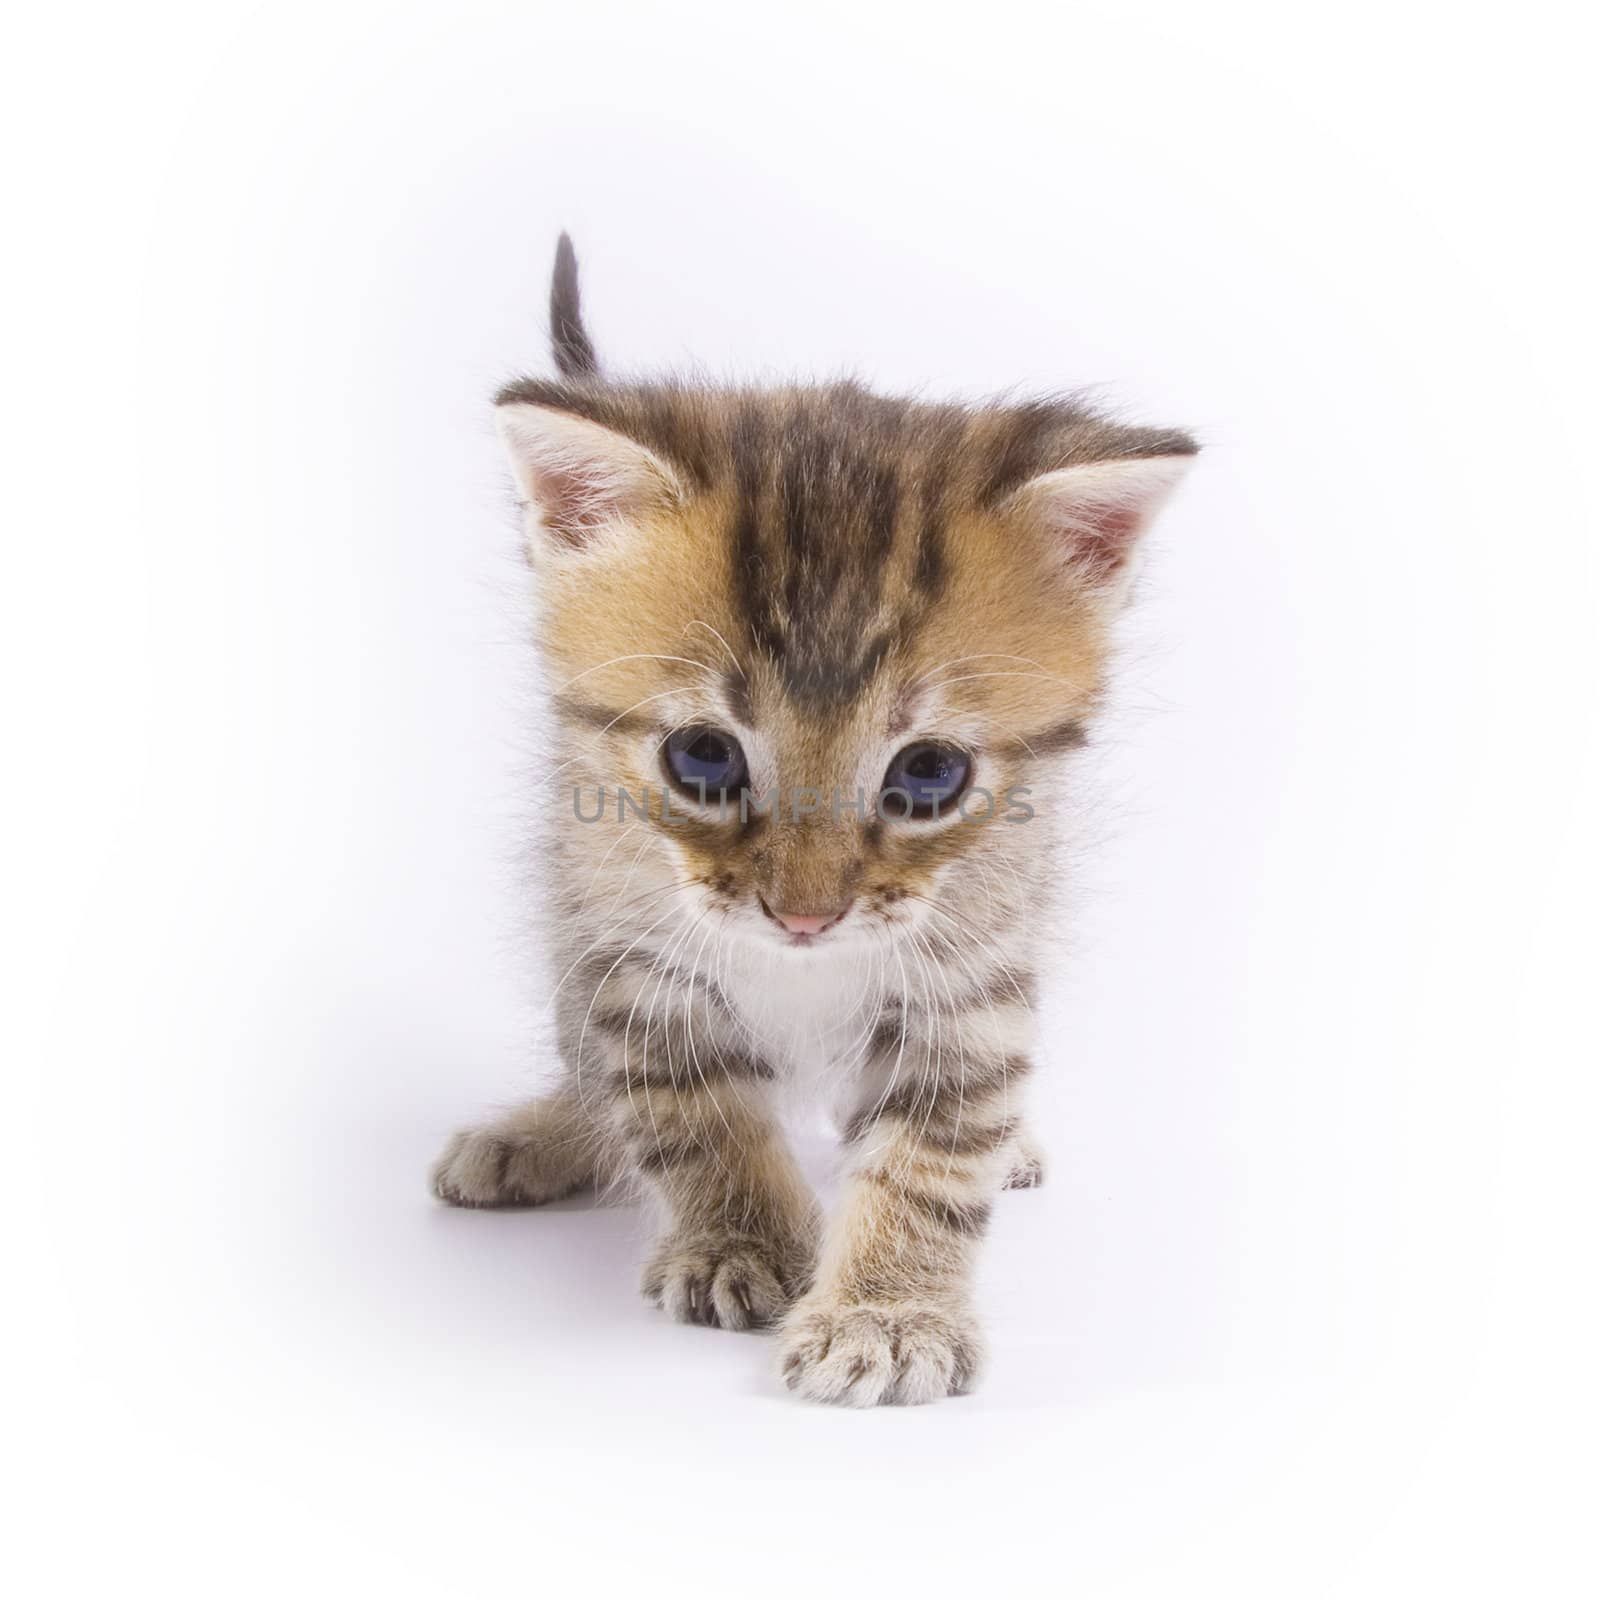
[{"x": 827, "y": 575}]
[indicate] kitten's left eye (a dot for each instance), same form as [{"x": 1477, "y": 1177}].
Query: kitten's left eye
[
  {"x": 923, "y": 779},
  {"x": 705, "y": 763}
]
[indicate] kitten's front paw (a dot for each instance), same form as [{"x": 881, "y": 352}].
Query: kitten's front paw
[
  {"x": 726, "y": 1282},
  {"x": 491, "y": 1167},
  {"x": 904, "y": 1352}
]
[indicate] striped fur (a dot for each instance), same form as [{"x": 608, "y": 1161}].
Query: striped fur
[{"x": 827, "y": 575}]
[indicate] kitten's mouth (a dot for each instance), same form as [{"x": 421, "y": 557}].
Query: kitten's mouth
[{"x": 801, "y": 931}]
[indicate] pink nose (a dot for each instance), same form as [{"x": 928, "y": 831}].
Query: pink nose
[{"x": 807, "y": 926}]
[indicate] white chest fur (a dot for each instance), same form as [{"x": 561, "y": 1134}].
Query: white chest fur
[{"x": 811, "y": 1015}]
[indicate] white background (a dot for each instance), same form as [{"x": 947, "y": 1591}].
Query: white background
[{"x": 1308, "y": 1306}]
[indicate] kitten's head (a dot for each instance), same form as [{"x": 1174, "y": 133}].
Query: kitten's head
[{"x": 822, "y": 638}]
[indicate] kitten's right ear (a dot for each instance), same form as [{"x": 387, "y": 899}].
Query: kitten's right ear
[{"x": 579, "y": 478}]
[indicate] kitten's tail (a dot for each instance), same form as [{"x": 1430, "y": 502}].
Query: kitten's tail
[{"x": 569, "y": 341}]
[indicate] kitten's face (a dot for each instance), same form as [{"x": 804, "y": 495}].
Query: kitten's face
[{"x": 876, "y": 621}]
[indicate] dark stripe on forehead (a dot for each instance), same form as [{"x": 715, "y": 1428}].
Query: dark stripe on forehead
[
  {"x": 751, "y": 569},
  {"x": 822, "y": 678},
  {"x": 930, "y": 570},
  {"x": 1019, "y": 447},
  {"x": 883, "y": 506},
  {"x": 814, "y": 530}
]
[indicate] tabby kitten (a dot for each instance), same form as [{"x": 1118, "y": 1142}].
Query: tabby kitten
[{"x": 820, "y": 656}]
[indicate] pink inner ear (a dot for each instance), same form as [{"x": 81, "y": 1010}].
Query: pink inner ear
[
  {"x": 1100, "y": 547},
  {"x": 1096, "y": 513},
  {"x": 567, "y": 500}
]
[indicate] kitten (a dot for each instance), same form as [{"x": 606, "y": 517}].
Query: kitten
[{"x": 820, "y": 656}]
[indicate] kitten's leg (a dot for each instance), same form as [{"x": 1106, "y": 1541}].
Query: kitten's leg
[
  {"x": 539, "y": 1151},
  {"x": 740, "y": 1237},
  {"x": 890, "y": 1318},
  {"x": 689, "y": 1108}
]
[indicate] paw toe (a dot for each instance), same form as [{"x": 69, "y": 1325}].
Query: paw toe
[
  {"x": 480, "y": 1167},
  {"x": 718, "y": 1286},
  {"x": 471, "y": 1172},
  {"x": 879, "y": 1355},
  {"x": 841, "y": 1359}
]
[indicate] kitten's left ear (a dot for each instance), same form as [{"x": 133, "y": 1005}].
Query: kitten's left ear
[
  {"x": 1093, "y": 516},
  {"x": 580, "y": 478}
]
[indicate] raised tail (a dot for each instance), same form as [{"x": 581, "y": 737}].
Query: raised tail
[{"x": 569, "y": 341}]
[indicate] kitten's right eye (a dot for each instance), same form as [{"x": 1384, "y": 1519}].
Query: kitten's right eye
[{"x": 705, "y": 763}]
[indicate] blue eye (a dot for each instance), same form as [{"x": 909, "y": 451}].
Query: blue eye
[
  {"x": 924, "y": 779},
  {"x": 704, "y": 763}
]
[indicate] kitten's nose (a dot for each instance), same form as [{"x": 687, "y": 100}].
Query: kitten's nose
[{"x": 809, "y": 925}]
